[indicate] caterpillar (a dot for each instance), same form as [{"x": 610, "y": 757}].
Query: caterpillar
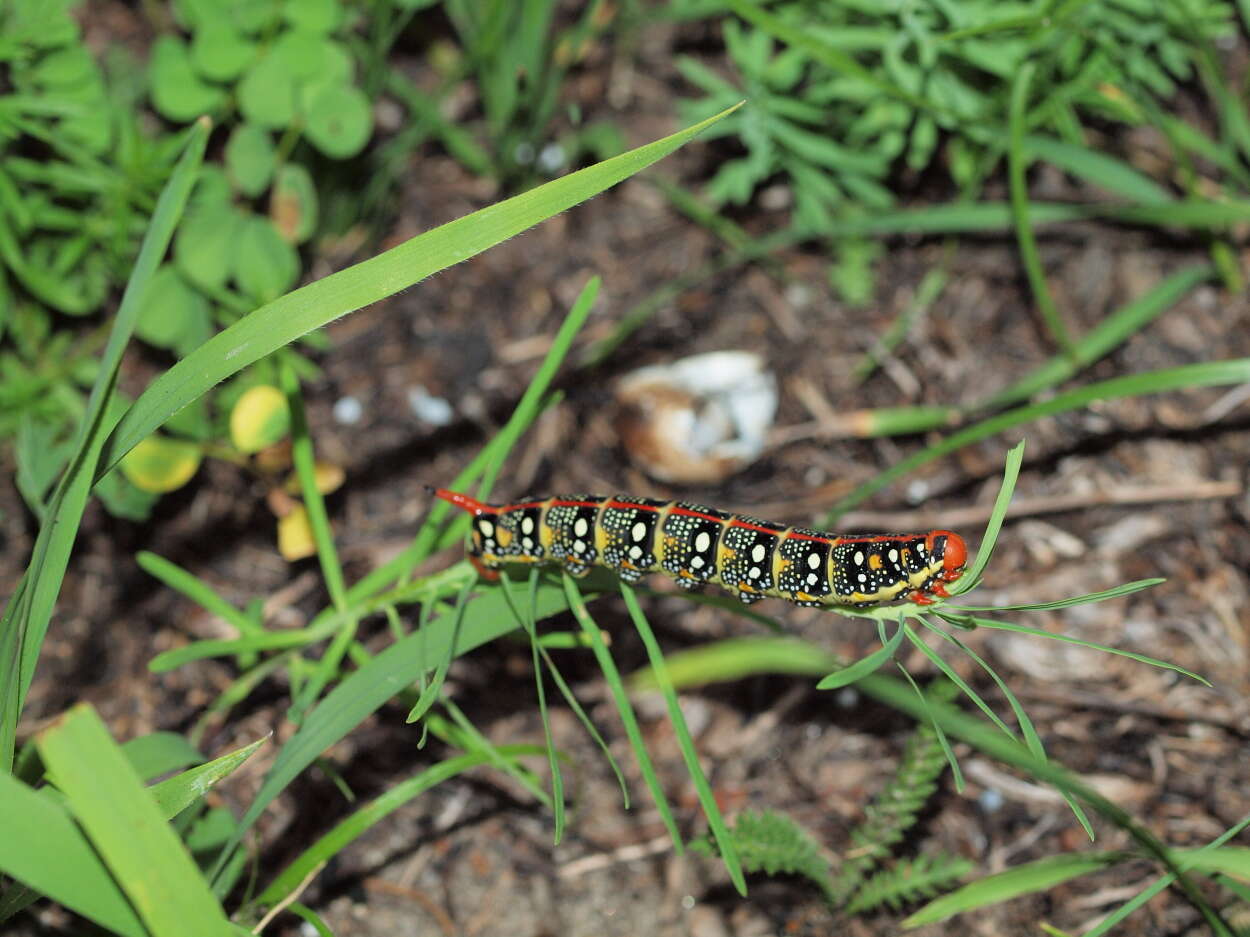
[{"x": 693, "y": 544}]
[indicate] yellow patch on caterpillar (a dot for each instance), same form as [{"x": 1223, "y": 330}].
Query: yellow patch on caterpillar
[
  {"x": 874, "y": 561},
  {"x": 503, "y": 536}
]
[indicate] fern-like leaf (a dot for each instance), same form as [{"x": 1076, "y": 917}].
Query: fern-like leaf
[
  {"x": 910, "y": 880},
  {"x": 895, "y": 809},
  {"x": 774, "y": 844}
]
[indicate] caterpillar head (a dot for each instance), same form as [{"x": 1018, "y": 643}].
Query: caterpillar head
[{"x": 949, "y": 547}]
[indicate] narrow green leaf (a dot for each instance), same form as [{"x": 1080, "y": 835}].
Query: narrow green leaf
[
  {"x": 623, "y": 707},
  {"x": 979, "y": 622},
  {"x": 861, "y": 668},
  {"x": 724, "y": 841}
]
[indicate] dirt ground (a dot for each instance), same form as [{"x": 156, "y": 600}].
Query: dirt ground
[{"x": 475, "y": 856}]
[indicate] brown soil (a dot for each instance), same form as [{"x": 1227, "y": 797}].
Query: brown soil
[{"x": 475, "y": 855}]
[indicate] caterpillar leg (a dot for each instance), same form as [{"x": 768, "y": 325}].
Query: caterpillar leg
[
  {"x": 487, "y": 573},
  {"x": 748, "y": 598},
  {"x": 575, "y": 569}
]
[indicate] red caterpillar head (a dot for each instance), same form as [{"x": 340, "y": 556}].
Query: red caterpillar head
[{"x": 951, "y": 549}]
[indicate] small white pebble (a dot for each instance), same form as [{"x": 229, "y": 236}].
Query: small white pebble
[
  {"x": 551, "y": 158},
  {"x": 433, "y": 410},
  {"x": 348, "y": 411},
  {"x": 990, "y": 800}
]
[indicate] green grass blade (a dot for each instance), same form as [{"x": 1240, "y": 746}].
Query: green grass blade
[
  {"x": 44, "y": 850},
  {"x": 925, "y": 713},
  {"x": 1017, "y": 165},
  {"x": 299, "y": 312},
  {"x": 195, "y": 589},
  {"x": 127, "y": 829},
  {"x": 979, "y": 622},
  {"x": 1089, "y": 598},
  {"x": 1098, "y": 168},
  {"x": 1011, "y": 473},
  {"x": 473, "y": 741},
  {"x": 327, "y": 555},
  {"x": 626, "y": 711},
  {"x": 724, "y": 841},
  {"x": 1109, "y": 334},
  {"x": 159, "y": 753},
  {"x": 532, "y": 402},
  {"x": 1203, "y": 374},
  {"x": 393, "y": 670},
  {"x": 526, "y": 620},
  {"x": 1024, "y": 879},
  {"x": 25, "y": 620},
  {"x": 956, "y": 679},
  {"x": 308, "y": 916},
  {"x": 175, "y": 794},
  {"x": 861, "y": 668},
  {"x": 429, "y": 695},
  {"x": 1032, "y": 740},
  {"x": 737, "y": 658}
]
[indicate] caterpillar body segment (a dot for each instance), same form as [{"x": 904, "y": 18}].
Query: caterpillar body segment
[{"x": 693, "y": 544}]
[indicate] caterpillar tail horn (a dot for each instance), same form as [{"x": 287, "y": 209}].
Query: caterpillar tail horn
[{"x": 464, "y": 502}]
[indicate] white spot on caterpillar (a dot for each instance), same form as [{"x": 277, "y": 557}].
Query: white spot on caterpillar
[
  {"x": 702, "y": 542},
  {"x": 813, "y": 560},
  {"x": 859, "y": 558},
  {"x": 527, "y": 525},
  {"x": 528, "y": 542},
  {"x": 635, "y": 552},
  {"x": 811, "y": 579},
  {"x": 920, "y": 548},
  {"x": 486, "y": 527},
  {"x": 863, "y": 578},
  {"x": 579, "y": 546},
  {"x": 894, "y": 556},
  {"x": 639, "y": 531},
  {"x": 759, "y": 553},
  {"x": 696, "y": 563},
  {"x": 580, "y": 527},
  {"x": 754, "y": 572}
]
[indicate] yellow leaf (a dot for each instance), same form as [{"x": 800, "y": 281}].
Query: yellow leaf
[
  {"x": 295, "y": 536},
  {"x": 259, "y": 419},
  {"x": 158, "y": 464},
  {"x": 329, "y": 478}
]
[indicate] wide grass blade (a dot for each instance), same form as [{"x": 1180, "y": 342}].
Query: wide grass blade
[
  {"x": 299, "y": 312},
  {"x": 26, "y": 617},
  {"x": 1024, "y": 879},
  {"x": 724, "y": 841},
  {"x": 44, "y": 850},
  {"x": 126, "y": 828}
]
